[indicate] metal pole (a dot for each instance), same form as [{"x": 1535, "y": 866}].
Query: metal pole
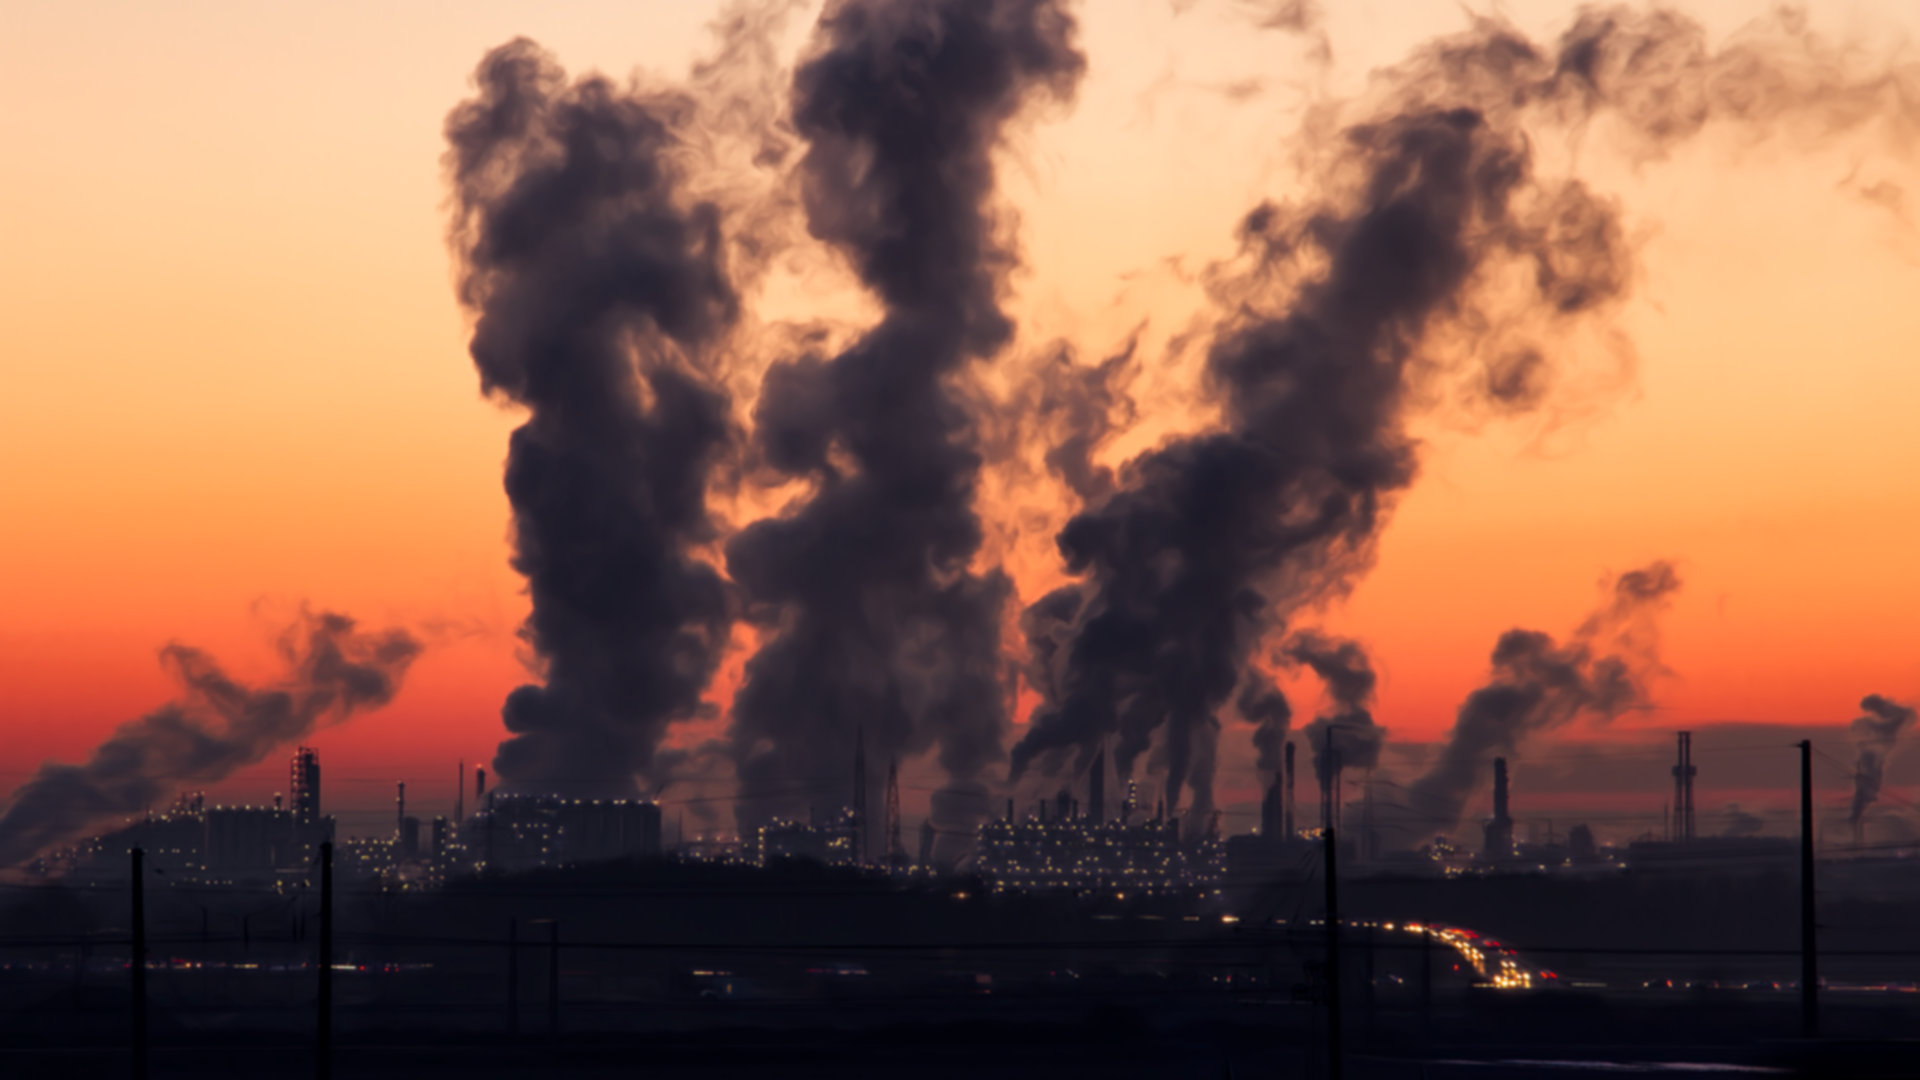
[
  {"x": 553, "y": 977},
  {"x": 138, "y": 967},
  {"x": 1333, "y": 960},
  {"x": 323, "y": 1034},
  {"x": 513, "y": 975},
  {"x": 1426, "y": 981},
  {"x": 1809, "y": 960}
]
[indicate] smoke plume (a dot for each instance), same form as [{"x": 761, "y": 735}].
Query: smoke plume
[
  {"x": 1537, "y": 685},
  {"x": 869, "y": 610},
  {"x": 599, "y": 289},
  {"x": 1344, "y": 670},
  {"x": 1432, "y": 264},
  {"x": 1874, "y": 732},
  {"x": 216, "y": 726}
]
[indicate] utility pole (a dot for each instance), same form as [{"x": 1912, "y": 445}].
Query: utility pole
[
  {"x": 1809, "y": 959},
  {"x": 553, "y": 977},
  {"x": 1426, "y": 981},
  {"x": 1333, "y": 959},
  {"x": 323, "y": 1041},
  {"x": 139, "y": 965},
  {"x": 513, "y": 975}
]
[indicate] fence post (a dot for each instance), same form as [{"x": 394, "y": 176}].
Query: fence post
[
  {"x": 1809, "y": 958},
  {"x": 138, "y": 966},
  {"x": 323, "y": 1041},
  {"x": 553, "y": 978},
  {"x": 513, "y": 975},
  {"x": 1333, "y": 959}
]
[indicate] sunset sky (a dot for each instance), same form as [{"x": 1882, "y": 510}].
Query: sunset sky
[{"x": 237, "y": 382}]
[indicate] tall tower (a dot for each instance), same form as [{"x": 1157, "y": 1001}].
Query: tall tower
[
  {"x": 400, "y": 810},
  {"x": 1097, "y": 787},
  {"x": 1683, "y": 774},
  {"x": 1288, "y": 824},
  {"x": 460, "y": 793},
  {"x": 479, "y": 786},
  {"x": 860, "y": 794},
  {"x": 305, "y": 785},
  {"x": 1500, "y": 829},
  {"x": 896, "y": 852}
]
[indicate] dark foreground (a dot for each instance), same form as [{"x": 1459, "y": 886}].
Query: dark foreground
[{"x": 1116, "y": 1041}]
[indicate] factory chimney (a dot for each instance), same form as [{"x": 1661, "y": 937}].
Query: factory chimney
[
  {"x": 1683, "y": 774},
  {"x": 896, "y": 852},
  {"x": 1500, "y": 829},
  {"x": 1288, "y": 798},
  {"x": 860, "y": 795},
  {"x": 479, "y": 786},
  {"x": 460, "y": 792},
  {"x": 400, "y": 814},
  {"x": 1097, "y": 787}
]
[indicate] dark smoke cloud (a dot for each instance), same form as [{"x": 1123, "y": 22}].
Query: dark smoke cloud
[
  {"x": 870, "y": 612},
  {"x": 1261, "y": 704},
  {"x": 599, "y": 289},
  {"x": 1537, "y": 684},
  {"x": 1343, "y": 668},
  {"x": 1431, "y": 263},
  {"x": 1874, "y": 732},
  {"x": 217, "y": 725}
]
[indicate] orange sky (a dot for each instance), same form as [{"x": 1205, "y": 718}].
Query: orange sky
[{"x": 236, "y": 375}]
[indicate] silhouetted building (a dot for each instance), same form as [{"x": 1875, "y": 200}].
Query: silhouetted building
[
  {"x": 521, "y": 831},
  {"x": 305, "y": 785},
  {"x": 1071, "y": 854}
]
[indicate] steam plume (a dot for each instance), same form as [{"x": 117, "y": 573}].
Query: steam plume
[
  {"x": 1536, "y": 684},
  {"x": 1430, "y": 264},
  {"x": 1874, "y": 731},
  {"x": 217, "y": 725},
  {"x": 869, "y": 610},
  {"x": 1348, "y": 676},
  {"x": 600, "y": 289}
]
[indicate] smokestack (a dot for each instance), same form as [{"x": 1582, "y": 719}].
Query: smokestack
[
  {"x": 1499, "y": 838},
  {"x": 400, "y": 803},
  {"x": 927, "y": 835},
  {"x": 860, "y": 794},
  {"x": 895, "y": 849},
  {"x": 1683, "y": 774},
  {"x": 1289, "y": 794},
  {"x": 1097, "y": 787},
  {"x": 479, "y": 786},
  {"x": 460, "y": 792}
]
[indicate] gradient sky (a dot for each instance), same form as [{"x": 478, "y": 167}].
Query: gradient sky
[{"x": 236, "y": 380}]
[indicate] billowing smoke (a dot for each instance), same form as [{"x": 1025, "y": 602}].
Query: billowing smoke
[
  {"x": 1344, "y": 670},
  {"x": 599, "y": 290},
  {"x": 1261, "y": 704},
  {"x": 1431, "y": 265},
  {"x": 1212, "y": 542},
  {"x": 869, "y": 610},
  {"x": 1537, "y": 684},
  {"x": 216, "y": 726},
  {"x": 1874, "y": 731}
]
